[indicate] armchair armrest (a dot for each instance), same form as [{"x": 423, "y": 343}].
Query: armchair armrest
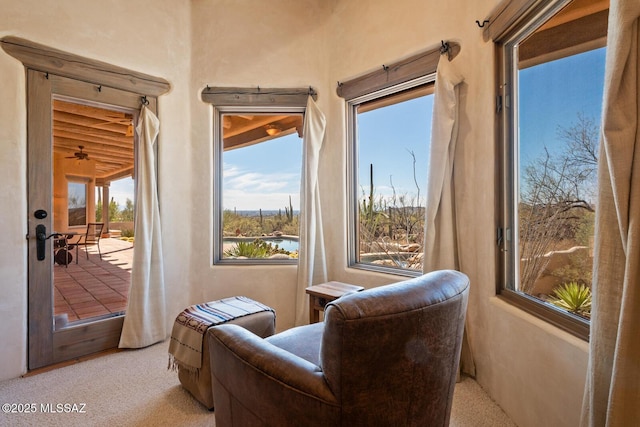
[{"x": 256, "y": 383}]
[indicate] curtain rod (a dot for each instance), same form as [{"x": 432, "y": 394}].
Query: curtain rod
[
  {"x": 415, "y": 66},
  {"x": 257, "y": 96},
  {"x": 258, "y": 91}
]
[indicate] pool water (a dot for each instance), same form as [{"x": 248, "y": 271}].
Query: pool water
[{"x": 286, "y": 244}]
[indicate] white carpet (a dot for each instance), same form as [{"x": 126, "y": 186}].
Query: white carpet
[{"x": 134, "y": 388}]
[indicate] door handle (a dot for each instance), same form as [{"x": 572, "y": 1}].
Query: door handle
[{"x": 41, "y": 238}]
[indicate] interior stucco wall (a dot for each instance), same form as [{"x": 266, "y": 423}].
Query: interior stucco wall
[
  {"x": 248, "y": 44},
  {"x": 535, "y": 372},
  {"x": 148, "y": 36}
]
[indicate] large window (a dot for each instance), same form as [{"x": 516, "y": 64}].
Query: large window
[
  {"x": 389, "y": 151},
  {"x": 553, "y": 75},
  {"x": 258, "y": 185}
]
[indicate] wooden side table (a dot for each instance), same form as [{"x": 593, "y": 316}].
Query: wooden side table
[{"x": 322, "y": 294}]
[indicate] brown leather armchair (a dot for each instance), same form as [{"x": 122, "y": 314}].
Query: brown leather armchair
[{"x": 386, "y": 356}]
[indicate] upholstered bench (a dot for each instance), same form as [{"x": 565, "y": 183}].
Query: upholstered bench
[{"x": 189, "y": 338}]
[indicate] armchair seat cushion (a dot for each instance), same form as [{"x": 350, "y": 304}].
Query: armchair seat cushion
[{"x": 303, "y": 341}]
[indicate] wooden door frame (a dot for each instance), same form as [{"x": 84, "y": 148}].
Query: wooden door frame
[{"x": 51, "y": 71}]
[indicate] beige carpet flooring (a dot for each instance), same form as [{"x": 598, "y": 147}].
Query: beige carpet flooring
[{"x": 134, "y": 388}]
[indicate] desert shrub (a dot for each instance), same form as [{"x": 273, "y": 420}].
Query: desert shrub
[{"x": 256, "y": 249}]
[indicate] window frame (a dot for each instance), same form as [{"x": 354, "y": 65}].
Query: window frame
[
  {"x": 353, "y": 191},
  {"x": 218, "y": 178},
  {"x": 512, "y": 25},
  {"x": 85, "y": 183}
]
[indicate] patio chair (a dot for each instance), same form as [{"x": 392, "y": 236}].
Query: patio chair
[{"x": 90, "y": 238}]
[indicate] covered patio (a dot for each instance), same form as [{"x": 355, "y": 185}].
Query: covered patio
[{"x": 93, "y": 287}]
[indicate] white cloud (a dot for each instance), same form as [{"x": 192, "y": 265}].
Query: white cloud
[
  {"x": 121, "y": 190},
  {"x": 255, "y": 190}
]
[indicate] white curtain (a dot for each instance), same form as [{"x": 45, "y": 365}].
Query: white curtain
[
  {"x": 612, "y": 394},
  {"x": 312, "y": 268},
  {"x": 145, "y": 320},
  {"x": 441, "y": 234}
]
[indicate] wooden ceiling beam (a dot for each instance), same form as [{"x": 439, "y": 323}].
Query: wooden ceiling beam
[
  {"x": 114, "y": 176},
  {"x": 59, "y": 132},
  {"x": 84, "y": 124},
  {"x": 105, "y": 135},
  {"x": 88, "y": 111},
  {"x": 287, "y": 125},
  {"x": 72, "y": 143},
  {"x": 97, "y": 154},
  {"x": 247, "y": 125}
]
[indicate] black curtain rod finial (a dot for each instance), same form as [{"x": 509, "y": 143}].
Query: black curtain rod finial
[{"x": 444, "y": 48}]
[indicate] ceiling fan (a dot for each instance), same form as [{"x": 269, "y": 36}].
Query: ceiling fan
[{"x": 80, "y": 155}]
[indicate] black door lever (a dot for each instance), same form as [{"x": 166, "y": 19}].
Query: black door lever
[{"x": 41, "y": 238}]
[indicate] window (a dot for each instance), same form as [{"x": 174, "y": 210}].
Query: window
[
  {"x": 258, "y": 152},
  {"x": 553, "y": 75},
  {"x": 77, "y": 203},
  {"x": 391, "y": 132},
  {"x": 260, "y": 203},
  {"x": 389, "y": 114}
]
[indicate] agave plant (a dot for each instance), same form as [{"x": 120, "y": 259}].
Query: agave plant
[{"x": 573, "y": 297}]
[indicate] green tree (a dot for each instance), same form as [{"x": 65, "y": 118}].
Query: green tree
[
  {"x": 114, "y": 212},
  {"x": 127, "y": 213}
]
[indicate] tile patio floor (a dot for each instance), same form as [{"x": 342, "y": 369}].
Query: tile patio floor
[{"x": 94, "y": 287}]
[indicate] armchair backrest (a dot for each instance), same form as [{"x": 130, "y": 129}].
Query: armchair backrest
[{"x": 391, "y": 353}]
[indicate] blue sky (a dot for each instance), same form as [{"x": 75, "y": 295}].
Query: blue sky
[
  {"x": 120, "y": 191},
  {"x": 265, "y": 175},
  {"x": 386, "y": 136},
  {"x": 552, "y": 94}
]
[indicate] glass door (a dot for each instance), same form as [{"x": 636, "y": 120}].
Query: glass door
[{"x": 80, "y": 171}]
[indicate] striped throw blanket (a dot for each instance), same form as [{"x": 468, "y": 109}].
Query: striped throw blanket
[{"x": 187, "y": 336}]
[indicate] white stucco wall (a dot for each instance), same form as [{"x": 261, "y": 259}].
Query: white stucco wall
[
  {"x": 148, "y": 36},
  {"x": 534, "y": 371},
  {"x": 249, "y": 44}
]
